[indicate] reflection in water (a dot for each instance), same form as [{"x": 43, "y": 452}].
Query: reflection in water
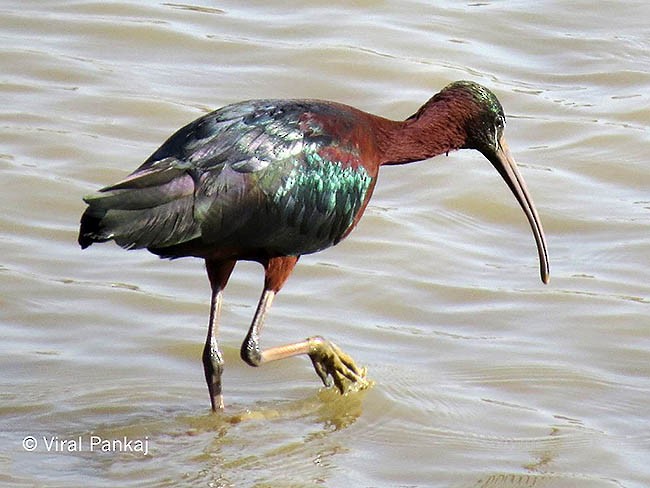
[
  {"x": 250, "y": 444},
  {"x": 285, "y": 443}
]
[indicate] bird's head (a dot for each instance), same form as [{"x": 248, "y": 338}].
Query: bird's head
[{"x": 484, "y": 122}]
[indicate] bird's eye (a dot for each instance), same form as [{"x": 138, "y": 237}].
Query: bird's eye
[{"x": 498, "y": 128}]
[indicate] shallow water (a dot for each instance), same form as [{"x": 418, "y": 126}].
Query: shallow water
[{"x": 484, "y": 376}]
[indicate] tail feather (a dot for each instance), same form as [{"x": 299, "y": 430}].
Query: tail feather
[
  {"x": 154, "y": 208},
  {"x": 89, "y": 231}
]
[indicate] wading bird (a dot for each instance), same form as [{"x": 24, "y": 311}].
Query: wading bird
[{"x": 271, "y": 180}]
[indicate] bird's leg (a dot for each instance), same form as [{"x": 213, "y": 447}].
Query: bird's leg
[
  {"x": 212, "y": 358},
  {"x": 218, "y": 273},
  {"x": 331, "y": 364}
]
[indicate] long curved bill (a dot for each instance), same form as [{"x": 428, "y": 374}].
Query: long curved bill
[{"x": 505, "y": 164}]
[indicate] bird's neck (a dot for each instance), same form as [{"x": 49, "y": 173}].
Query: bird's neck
[{"x": 430, "y": 132}]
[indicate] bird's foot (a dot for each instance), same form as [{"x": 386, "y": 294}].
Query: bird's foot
[{"x": 334, "y": 366}]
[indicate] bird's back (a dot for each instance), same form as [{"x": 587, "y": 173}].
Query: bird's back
[{"x": 256, "y": 178}]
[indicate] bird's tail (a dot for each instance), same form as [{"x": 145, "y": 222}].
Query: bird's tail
[
  {"x": 151, "y": 208},
  {"x": 91, "y": 228}
]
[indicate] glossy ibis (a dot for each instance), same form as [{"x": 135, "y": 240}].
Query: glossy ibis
[{"x": 271, "y": 180}]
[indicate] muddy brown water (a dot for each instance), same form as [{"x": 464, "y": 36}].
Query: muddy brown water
[{"x": 484, "y": 376}]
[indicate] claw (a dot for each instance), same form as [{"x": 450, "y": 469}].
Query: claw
[
  {"x": 321, "y": 372},
  {"x": 334, "y": 366}
]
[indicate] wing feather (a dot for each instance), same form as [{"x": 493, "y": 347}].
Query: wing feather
[{"x": 250, "y": 174}]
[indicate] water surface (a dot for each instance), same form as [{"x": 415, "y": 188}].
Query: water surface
[{"x": 484, "y": 376}]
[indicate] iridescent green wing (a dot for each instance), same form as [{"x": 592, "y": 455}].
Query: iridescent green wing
[
  {"x": 290, "y": 186},
  {"x": 261, "y": 173}
]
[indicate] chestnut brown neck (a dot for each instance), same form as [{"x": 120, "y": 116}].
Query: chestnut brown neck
[{"x": 438, "y": 127}]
